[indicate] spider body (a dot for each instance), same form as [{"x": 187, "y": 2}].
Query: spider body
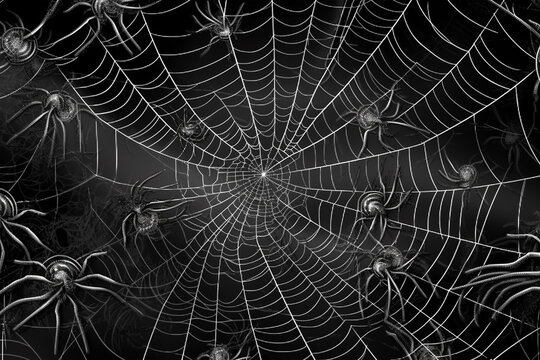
[
  {"x": 371, "y": 118},
  {"x": 58, "y": 108},
  {"x": 145, "y": 215},
  {"x": 18, "y": 48},
  {"x": 221, "y": 28},
  {"x": 63, "y": 275},
  {"x": 223, "y": 351},
  {"x": 191, "y": 129},
  {"x": 388, "y": 259},
  {"x": 111, "y": 12},
  {"x": 9, "y": 214},
  {"x": 220, "y": 352}
]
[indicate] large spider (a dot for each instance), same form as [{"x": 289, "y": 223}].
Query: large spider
[
  {"x": 59, "y": 108},
  {"x": 107, "y": 11},
  {"x": 219, "y": 25},
  {"x": 385, "y": 265},
  {"x": 222, "y": 351},
  {"x": 506, "y": 278},
  {"x": 9, "y": 214},
  {"x": 422, "y": 351},
  {"x": 371, "y": 118},
  {"x": 376, "y": 204},
  {"x": 63, "y": 276},
  {"x": 145, "y": 214},
  {"x": 191, "y": 129}
]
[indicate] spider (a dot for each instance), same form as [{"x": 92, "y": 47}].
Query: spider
[
  {"x": 59, "y": 108},
  {"x": 513, "y": 139},
  {"x": 63, "y": 275},
  {"x": 370, "y": 118},
  {"x": 191, "y": 129},
  {"x": 107, "y": 11},
  {"x": 385, "y": 265},
  {"x": 422, "y": 351},
  {"x": 506, "y": 278},
  {"x": 219, "y": 25},
  {"x": 376, "y": 204},
  {"x": 9, "y": 214},
  {"x": 145, "y": 214},
  {"x": 222, "y": 351}
]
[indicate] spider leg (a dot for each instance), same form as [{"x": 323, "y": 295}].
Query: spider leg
[
  {"x": 449, "y": 178},
  {"x": 416, "y": 285},
  {"x": 80, "y": 3},
  {"x": 391, "y": 91},
  {"x": 17, "y": 282},
  {"x": 214, "y": 40},
  {"x": 237, "y": 16},
  {"x": 509, "y": 288},
  {"x": 39, "y": 309},
  {"x": 17, "y": 240},
  {"x": 393, "y": 189},
  {"x": 100, "y": 277},
  {"x": 401, "y": 202},
  {"x": 388, "y": 299},
  {"x": 117, "y": 33},
  {"x": 407, "y": 126},
  {"x": 29, "y": 232},
  {"x": 524, "y": 235},
  {"x": 140, "y": 184},
  {"x": 514, "y": 297},
  {"x": 381, "y": 141},
  {"x": 209, "y": 16},
  {"x": 408, "y": 352},
  {"x": 124, "y": 226},
  {"x": 110, "y": 292},
  {"x": 398, "y": 292},
  {"x": 498, "y": 277},
  {"x": 85, "y": 262},
  {"x": 364, "y": 142},
  {"x": 63, "y": 130},
  {"x": 94, "y": 37},
  {"x": 32, "y": 123},
  {"x": 140, "y": 7},
  {"x": 201, "y": 25},
  {"x": 203, "y": 356},
  {"x": 357, "y": 274},
  {"x": 31, "y": 211},
  {"x": 2, "y": 254},
  {"x": 57, "y": 328},
  {"x": 19, "y": 113},
  {"x": 79, "y": 324},
  {"x": 126, "y": 32},
  {"x": 25, "y": 300},
  {"x": 48, "y": 15},
  {"x": 510, "y": 265}
]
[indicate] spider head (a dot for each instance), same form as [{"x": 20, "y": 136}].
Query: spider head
[
  {"x": 17, "y": 49},
  {"x": 368, "y": 117},
  {"x": 372, "y": 204},
  {"x": 223, "y": 31},
  {"x": 189, "y": 129},
  {"x": 511, "y": 137},
  {"x": 146, "y": 222},
  {"x": 64, "y": 106},
  {"x": 63, "y": 272},
  {"x": 8, "y": 206},
  {"x": 220, "y": 352},
  {"x": 389, "y": 258},
  {"x": 109, "y": 7},
  {"x": 467, "y": 175}
]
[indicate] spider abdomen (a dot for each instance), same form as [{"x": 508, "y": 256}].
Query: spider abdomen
[
  {"x": 389, "y": 258},
  {"x": 372, "y": 204},
  {"x": 146, "y": 222},
  {"x": 367, "y": 118},
  {"x": 467, "y": 175},
  {"x": 17, "y": 49}
]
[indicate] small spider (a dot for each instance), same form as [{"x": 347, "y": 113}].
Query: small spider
[
  {"x": 507, "y": 278},
  {"x": 9, "y": 214},
  {"x": 385, "y": 265},
  {"x": 107, "y": 11},
  {"x": 422, "y": 351},
  {"x": 191, "y": 129},
  {"x": 370, "y": 118},
  {"x": 59, "y": 108},
  {"x": 145, "y": 214},
  {"x": 219, "y": 25},
  {"x": 63, "y": 275},
  {"x": 376, "y": 204},
  {"x": 222, "y": 351}
]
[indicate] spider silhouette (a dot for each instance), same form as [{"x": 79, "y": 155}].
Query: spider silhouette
[
  {"x": 223, "y": 351},
  {"x": 219, "y": 25},
  {"x": 416, "y": 350},
  {"x": 63, "y": 275},
  {"x": 107, "y": 11},
  {"x": 376, "y": 204},
  {"x": 9, "y": 214},
  {"x": 145, "y": 214},
  {"x": 371, "y": 118},
  {"x": 191, "y": 129},
  {"x": 506, "y": 279},
  {"x": 385, "y": 265},
  {"x": 59, "y": 109}
]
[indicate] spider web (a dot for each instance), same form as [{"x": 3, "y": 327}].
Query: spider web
[{"x": 265, "y": 258}]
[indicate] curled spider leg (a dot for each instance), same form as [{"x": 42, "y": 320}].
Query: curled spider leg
[
  {"x": 398, "y": 292},
  {"x": 28, "y": 211},
  {"x": 57, "y": 327},
  {"x": 499, "y": 277},
  {"x": 79, "y": 324},
  {"x": 30, "y": 233},
  {"x": 514, "y": 297},
  {"x": 85, "y": 262},
  {"x": 17, "y": 240},
  {"x": 505, "y": 265},
  {"x": 534, "y": 237},
  {"x": 24, "y": 279},
  {"x": 110, "y": 292},
  {"x": 364, "y": 142},
  {"x": 28, "y": 299},
  {"x": 380, "y": 137}
]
